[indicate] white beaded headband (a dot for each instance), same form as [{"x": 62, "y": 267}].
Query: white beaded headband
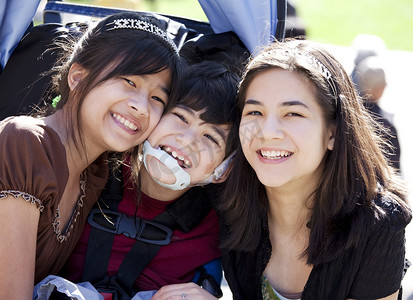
[
  {"x": 313, "y": 61},
  {"x": 143, "y": 26},
  {"x": 318, "y": 65}
]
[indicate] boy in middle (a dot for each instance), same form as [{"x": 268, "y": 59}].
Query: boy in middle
[{"x": 188, "y": 149}]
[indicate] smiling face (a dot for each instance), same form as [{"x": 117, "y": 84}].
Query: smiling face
[
  {"x": 199, "y": 147},
  {"x": 121, "y": 112},
  {"x": 283, "y": 132}
]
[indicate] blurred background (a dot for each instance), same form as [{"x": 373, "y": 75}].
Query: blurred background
[
  {"x": 336, "y": 22},
  {"x": 346, "y": 28}
]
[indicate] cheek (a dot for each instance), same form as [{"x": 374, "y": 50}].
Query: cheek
[
  {"x": 208, "y": 155},
  {"x": 161, "y": 128},
  {"x": 156, "y": 114},
  {"x": 154, "y": 119},
  {"x": 211, "y": 158},
  {"x": 247, "y": 131}
]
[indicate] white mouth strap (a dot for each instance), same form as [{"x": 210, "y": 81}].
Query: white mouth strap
[
  {"x": 219, "y": 171},
  {"x": 182, "y": 177}
]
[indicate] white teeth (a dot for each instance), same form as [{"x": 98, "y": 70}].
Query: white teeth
[
  {"x": 174, "y": 154},
  {"x": 125, "y": 122},
  {"x": 275, "y": 154}
]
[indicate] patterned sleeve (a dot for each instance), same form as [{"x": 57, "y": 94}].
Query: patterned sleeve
[
  {"x": 383, "y": 265},
  {"x": 26, "y": 165}
]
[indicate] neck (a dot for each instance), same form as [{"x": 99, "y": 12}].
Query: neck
[
  {"x": 290, "y": 204},
  {"x": 78, "y": 157},
  {"x": 288, "y": 216},
  {"x": 287, "y": 223},
  {"x": 156, "y": 191},
  {"x": 289, "y": 209}
]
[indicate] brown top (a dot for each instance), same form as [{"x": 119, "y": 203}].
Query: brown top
[{"x": 33, "y": 166}]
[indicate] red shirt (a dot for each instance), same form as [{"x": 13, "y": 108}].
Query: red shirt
[{"x": 174, "y": 263}]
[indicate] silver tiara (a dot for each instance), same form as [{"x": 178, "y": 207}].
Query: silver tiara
[
  {"x": 144, "y": 26},
  {"x": 311, "y": 60},
  {"x": 318, "y": 65}
]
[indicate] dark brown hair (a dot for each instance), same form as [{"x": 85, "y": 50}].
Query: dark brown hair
[
  {"x": 106, "y": 53},
  {"x": 354, "y": 172},
  {"x": 209, "y": 86}
]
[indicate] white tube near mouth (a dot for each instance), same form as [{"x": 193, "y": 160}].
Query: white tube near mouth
[{"x": 183, "y": 179}]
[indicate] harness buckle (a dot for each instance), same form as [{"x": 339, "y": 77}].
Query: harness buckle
[{"x": 133, "y": 227}]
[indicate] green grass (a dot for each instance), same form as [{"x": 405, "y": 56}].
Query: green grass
[
  {"x": 339, "y": 21},
  {"x": 183, "y": 8},
  {"x": 330, "y": 21}
]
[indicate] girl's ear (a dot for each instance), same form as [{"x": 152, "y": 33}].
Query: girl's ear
[
  {"x": 331, "y": 137},
  {"x": 76, "y": 74}
]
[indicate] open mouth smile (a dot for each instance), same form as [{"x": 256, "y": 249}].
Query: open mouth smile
[
  {"x": 125, "y": 122},
  {"x": 274, "y": 154},
  {"x": 182, "y": 161}
]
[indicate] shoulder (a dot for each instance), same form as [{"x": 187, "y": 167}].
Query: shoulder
[
  {"x": 20, "y": 124},
  {"x": 33, "y": 158},
  {"x": 380, "y": 264},
  {"x": 390, "y": 214},
  {"x": 26, "y": 139},
  {"x": 18, "y": 130}
]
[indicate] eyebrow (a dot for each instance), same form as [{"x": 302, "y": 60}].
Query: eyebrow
[
  {"x": 187, "y": 109},
  {"x": 285, "y": 103},
  {"x": 168, "y": 92}
]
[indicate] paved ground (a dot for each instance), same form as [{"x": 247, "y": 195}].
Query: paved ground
[{"x": 398, "y": 99}]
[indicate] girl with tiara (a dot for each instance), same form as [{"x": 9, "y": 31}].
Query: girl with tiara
[{"x": 114, "y": 85}]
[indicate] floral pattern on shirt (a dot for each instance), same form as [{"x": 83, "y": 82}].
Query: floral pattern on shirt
[{"x": 267, "y": 290}]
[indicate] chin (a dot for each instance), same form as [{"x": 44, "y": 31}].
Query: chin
[
  {"x": 159, "y": 171},
  {"x": 118, "y": 148},
  {"x": 166, "y": 179},
  {"x": 270, "y": 181}
]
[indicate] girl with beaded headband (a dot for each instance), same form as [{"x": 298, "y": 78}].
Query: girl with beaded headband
[
  {"x": 312, "y": 210},
  {"x": 114, "y": 85}
]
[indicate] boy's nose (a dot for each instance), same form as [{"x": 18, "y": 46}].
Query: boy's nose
[{"x": 188, "y": 139}]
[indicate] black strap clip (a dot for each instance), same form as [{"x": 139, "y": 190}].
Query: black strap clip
[{"x": 118, "y": 223}]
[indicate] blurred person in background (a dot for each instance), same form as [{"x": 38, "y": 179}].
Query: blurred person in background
[
  {"x": 365, "y": 45},
  {"x": 371, "y": 85}
]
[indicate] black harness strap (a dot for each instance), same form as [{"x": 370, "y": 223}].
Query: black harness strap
[
  {"x": 184, "y": 214},
  {"x": 140, "y": 255},
  {"x": 100, "y": 242}
]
